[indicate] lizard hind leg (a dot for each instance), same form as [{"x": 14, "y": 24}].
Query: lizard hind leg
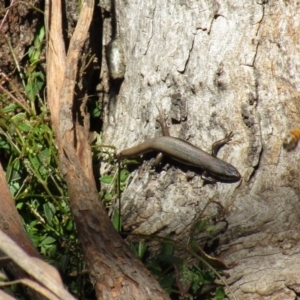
[{"x": 216, "y": 146}]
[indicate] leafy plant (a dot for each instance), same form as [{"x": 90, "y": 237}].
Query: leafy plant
[
  {"x": 40, "y": 193},
  {"x": 186, "y": 278}
]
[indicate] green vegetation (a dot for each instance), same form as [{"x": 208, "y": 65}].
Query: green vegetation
[
  {"x": 189, "y": 278},
  {"x": 41, "y": 196},
  {"x": 40, "y": 193}
]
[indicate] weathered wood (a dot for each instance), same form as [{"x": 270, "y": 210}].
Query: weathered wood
[
  {"x": 115, "y": 272},
  {"x": 217, "y": 66},
  {"x": 48, "y": 284}
]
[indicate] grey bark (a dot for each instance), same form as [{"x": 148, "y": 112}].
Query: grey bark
[{"x": 214, "y": 67}]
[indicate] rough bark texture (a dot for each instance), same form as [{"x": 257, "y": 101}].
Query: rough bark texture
[
  {"x": 217, "y": 66},
  {"x": 114, "y": 270}
]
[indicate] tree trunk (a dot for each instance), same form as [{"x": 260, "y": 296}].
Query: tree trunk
[
  {"x": 215, "y": 67},
  {"x": 114, "y": 270}
]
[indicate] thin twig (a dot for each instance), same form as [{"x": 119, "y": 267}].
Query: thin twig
[
  {"x": 14, "y": 98},
  {"x": 6, "y": 14}
]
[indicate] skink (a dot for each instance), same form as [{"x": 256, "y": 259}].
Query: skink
[{"x": 188, "y": 154}]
